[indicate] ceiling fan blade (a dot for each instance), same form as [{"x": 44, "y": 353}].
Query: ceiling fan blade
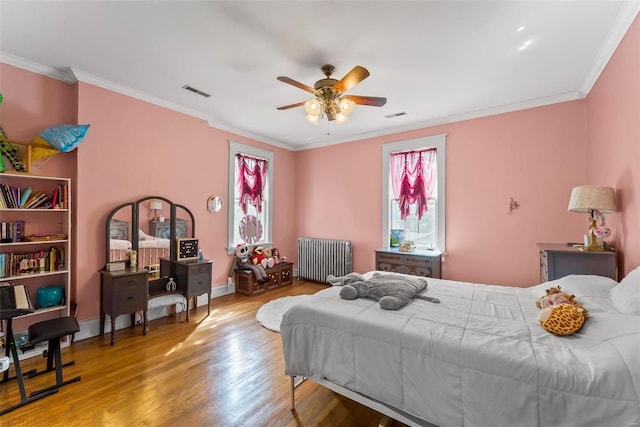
[
  {"x": 286, "y": 107},
  {"x": 351, "y": 79},
  {"x": 296, "y": 84},
  {"x": 374, "y": 101}
]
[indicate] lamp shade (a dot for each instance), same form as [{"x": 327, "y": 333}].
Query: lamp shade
[
  {"x": 155, "y": 205},
  {"x": 591, "y": 197}
]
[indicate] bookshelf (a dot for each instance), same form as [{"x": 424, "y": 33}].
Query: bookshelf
[{"x": 35, "y": 245}]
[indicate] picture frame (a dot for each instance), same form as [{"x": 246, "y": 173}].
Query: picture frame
[{"x": 187, "y": 249}]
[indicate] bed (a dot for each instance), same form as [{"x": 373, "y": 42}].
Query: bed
[
  {"x": 150, "y": 249},
  {"x": 479, "y": 358}
]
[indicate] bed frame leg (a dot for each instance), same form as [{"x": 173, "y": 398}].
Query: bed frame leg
[{"x": 293, "y": 394}]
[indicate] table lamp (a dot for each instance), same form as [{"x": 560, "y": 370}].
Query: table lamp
[
  {"x": 155, "y": 207},
  {"x": 594, "y": 200}
]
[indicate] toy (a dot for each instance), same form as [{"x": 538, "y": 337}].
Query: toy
[
  {"x": 554, "y": 295},
  {"x": 561, "y": 314},
  {"x": 562, "y": 319},
  {"x": 258, "y": 255},
  {"x": 347, "y": 280},
  {"x": 242, "y": 262},
  {"x": 394, "y": 291},
  {"x": 267, "y": 261},
  {"x": 276, "y": 256}
]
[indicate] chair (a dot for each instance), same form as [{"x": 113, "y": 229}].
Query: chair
[{"x": 52, "y": 331}]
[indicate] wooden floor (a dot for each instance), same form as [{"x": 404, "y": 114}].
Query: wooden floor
[{"x": 220, "y": 370}]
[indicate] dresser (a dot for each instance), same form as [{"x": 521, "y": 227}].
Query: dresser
[
  {"x": 418, "y": 263},
  {"x": 558, "y": 260},
  {"x": 163, "y": 229},
  {"x": 193, "y": 278},
  {"x": 123, "y": 292}
]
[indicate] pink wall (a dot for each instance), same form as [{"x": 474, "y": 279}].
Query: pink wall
[
  {"x": 613, "y": 120},
  {"x": 133, "y": 149},
  {"x": 535, "y": 156}
]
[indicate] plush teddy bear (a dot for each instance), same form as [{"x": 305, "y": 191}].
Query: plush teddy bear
[
  {"x": 393, "y": 291},
  {"x": 562, "y": 319},
  {"x": 267, "y": 261},
  {"x": 553, "y": 296}
]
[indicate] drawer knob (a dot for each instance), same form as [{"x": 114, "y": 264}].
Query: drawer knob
[{"x": 129, "y": 297}]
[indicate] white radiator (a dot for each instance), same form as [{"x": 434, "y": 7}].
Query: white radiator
[{"x": 317, "y": 258}]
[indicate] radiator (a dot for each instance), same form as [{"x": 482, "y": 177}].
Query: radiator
[{"x": 317, "y": 258}]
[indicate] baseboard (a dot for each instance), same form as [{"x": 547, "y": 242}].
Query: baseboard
[{"x": 91, "y": 327}]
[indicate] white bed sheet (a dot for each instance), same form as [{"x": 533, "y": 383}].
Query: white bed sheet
[{"x": 479, "y": 358}]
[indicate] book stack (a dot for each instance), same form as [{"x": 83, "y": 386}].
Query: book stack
[{"x": 115, "y": 266}]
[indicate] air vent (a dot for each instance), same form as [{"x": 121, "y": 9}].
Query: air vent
[
  {"x": 391, "y": 116},
  {"x": 194, "y": 90}
]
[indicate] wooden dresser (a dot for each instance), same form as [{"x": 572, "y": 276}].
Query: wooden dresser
[
  {"x": 558, "y": 260},
  {"x": 280, "y": 275},
  {"x": 418, "y": 263}
]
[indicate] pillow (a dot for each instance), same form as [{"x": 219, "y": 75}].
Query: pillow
[
  {"x": 626, "y": 295},
  {"x": 64, "y": 137}
]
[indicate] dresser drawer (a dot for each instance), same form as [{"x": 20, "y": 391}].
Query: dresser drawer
[
  {"x": 130, "y": 293},
  {"x": 199, "y": 282}
]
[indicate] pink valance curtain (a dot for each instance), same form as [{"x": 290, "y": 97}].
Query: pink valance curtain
[
  {"x": 251, "y": 175},
  {"x": 413, "y": 178}
]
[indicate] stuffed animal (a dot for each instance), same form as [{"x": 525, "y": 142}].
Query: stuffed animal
[
  {"x": 562, "y": 319},
  {"x": 258, "y": 255},
  {"x": 554, "y": 295},
  {"x": 394, "y": 291},
  {"x": 267, "y": 261},
  {"x": 346, "y": 280},
  {"x": 241, "y": 262}
]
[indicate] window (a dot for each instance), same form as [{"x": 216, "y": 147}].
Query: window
[
  {"x": 427, "y": 232},
  {"x": 250, "y": 180}
]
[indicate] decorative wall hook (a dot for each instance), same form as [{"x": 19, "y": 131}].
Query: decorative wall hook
[{"x": 513, "y": 205}]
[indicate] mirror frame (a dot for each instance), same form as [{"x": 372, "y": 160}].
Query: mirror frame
[{"x": 135, "y": 216}]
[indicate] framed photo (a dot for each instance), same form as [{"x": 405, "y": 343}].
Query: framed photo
[{"x": 187, "y": 249}]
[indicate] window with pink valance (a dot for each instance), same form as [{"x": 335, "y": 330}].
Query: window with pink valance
[
  {"x": 413, "y": 178},
  {"x": 251, "y": 173}
]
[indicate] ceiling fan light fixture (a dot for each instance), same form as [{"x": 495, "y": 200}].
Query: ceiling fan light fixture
[
  {"x": 341, "y": 118},
  {"x": 312, "y": 107},
  {"x": 313, "y": 119},
  {"x": 347, "y": 106}
]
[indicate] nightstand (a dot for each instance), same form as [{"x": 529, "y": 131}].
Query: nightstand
[{"x": 558, "y": 260}]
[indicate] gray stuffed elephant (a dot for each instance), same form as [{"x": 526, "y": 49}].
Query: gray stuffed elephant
[{"x": 393, "y": 291}]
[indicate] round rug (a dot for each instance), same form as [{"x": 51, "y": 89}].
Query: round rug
[{"x": 270, "y": 314}]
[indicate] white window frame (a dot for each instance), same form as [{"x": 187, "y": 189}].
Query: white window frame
[
  {"x": 238, "y": 148},
  {"x": 438, "y": 142}
]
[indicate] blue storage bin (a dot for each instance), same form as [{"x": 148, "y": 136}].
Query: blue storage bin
[{"x": 50, "y": 296}]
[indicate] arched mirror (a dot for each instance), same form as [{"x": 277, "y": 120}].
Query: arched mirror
[{"x": 149, "y": 226}]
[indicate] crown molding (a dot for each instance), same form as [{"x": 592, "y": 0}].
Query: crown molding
[
  {"x": 507, "y": 108},
  {"x": 64, "y": 75},
  {"x": 255, "y": 136},
  {"x": 626, "y": 15}
]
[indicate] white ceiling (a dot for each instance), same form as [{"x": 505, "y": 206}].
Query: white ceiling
[{"x": 435, "y": 61}]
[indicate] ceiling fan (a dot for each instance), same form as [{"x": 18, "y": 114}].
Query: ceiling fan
[{"x": 329, "y": 100}]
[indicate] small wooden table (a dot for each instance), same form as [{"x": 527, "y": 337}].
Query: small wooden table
[{"x": 279, "y": 275}]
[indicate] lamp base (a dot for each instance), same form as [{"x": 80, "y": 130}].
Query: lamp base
[{"x": 592, "y": 243}]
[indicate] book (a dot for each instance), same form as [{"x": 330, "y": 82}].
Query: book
[
  {"x": 115, "y": 266},
  {"x": 54, "y": 198},
  {"x": 25, "y": 196},
  {"x": 14, "y": 297}
]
